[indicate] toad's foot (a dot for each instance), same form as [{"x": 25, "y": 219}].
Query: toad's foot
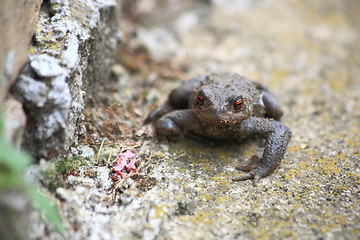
[
  {"x": 254, "y": 169},
  {"x": 173, "y": 124},
  {"x": 166, "y": 129}
]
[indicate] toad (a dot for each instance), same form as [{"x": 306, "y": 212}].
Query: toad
[{"x": 226, "y": 106}]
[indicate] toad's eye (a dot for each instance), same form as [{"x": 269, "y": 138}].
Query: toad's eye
[
  {"x": 200, "y": 99},
  {"x": 239, "y": 102}
]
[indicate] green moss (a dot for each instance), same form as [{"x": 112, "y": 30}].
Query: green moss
[
  {"x": 51, "y": 178},
  {"x": 70, "y": 164},
  {"x": 53, "y": 175}
]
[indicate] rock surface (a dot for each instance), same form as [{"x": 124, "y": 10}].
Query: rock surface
[
  {"x": 70, "y": 59},
  {"x": 306, "y": 51},
  {"x": 14, "y": 122},
  {"x": 17, "y": 24}
]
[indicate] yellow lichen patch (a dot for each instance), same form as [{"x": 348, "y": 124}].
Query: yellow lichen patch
[
  {"x": 295, "y": 172},
  {"x": 311, "y": 152},
  {"x": 339, "y": 189},
  {"x": 293, "y": 149},
  {"x": 329, "y": 166},
  {"x": 222, "y": 180},
  {"x": 205, "y": 197},
  {"x": 278, "y": 230},
  {"x": 194, "y": 150},
  {"x": 160, "y": 211},
  {"x": 353, "y": 143},
  {"x": 335, "y": 80},
  {"x": 324, "y": 165},
  {"x": 31, "y": 51},
  {"x": 336, "y": 85},
  {"x": 199, "y": 217},
  {"x": 325, "y": 229},
  {"x": 336, "y": 221},
  {"x": 249, "y": 153},
  {"x": 201, "y": 160},
  {"x": 53, "y": 47},
  {"x": 305, "y": 166},
  {"x": 341, "y": 157},
  {"x": 336, "y": 19},
  {"x": 218, "y": 178},
  {"x": 222, "y": 199},
  {"x": 353, "y": 175},
  {"x": 355, "y": 233},
  {"x": 223, "y": 155}
]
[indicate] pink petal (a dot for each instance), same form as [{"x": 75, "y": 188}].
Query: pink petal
[
  {"x": 131, "y": 166},
  {"x": 118, "y": 168},
  {"x": 128, "y": 154}
]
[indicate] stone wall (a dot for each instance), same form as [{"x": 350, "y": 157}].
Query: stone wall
[
  {"x": 70, "y": 58},
  {"x": 54, "y": 56},
  {"x": 17, "y": 23}
]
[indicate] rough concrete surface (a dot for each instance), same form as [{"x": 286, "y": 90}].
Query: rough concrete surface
[
  {"x": 61, "y": 69},
  {"x": 305, "y": 51}
]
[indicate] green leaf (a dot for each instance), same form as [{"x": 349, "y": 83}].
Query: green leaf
[
  {"x": 9, "y": 180},
  {"x": 1, "y": 123},
  {"x": 47, "y": 208},
  {"x": 15, "y": 161},
  {"x": 12, "y": 166}
]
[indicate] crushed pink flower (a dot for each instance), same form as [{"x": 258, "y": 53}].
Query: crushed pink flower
[{"x": 122, "y": 164}]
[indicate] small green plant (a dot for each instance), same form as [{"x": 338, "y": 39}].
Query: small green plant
[
  {"x": 12, "y": 166},
  {"x": 69, "y": 164}
]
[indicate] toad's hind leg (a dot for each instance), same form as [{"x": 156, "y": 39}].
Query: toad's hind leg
[
  {"x": 179, "y": 97},
  {"x": 159, "y": 112},
  {"x": 272, "y": 106}
]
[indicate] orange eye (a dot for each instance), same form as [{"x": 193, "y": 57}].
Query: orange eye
[
  {"x": 238, "y": 103},
  {"x": 200, "y": 99}
]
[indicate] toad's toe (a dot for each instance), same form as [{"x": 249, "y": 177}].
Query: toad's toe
[{"x": 251, "y": 166}]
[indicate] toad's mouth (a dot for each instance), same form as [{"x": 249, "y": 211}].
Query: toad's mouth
[
  {"x": 218, "y": 118},
  {"x": 227, "y": 121}
]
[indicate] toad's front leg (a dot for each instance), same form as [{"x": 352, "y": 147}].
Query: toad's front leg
[
  {"x": 173, "y": 124},
  {"x": 277, "y": 137}
]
